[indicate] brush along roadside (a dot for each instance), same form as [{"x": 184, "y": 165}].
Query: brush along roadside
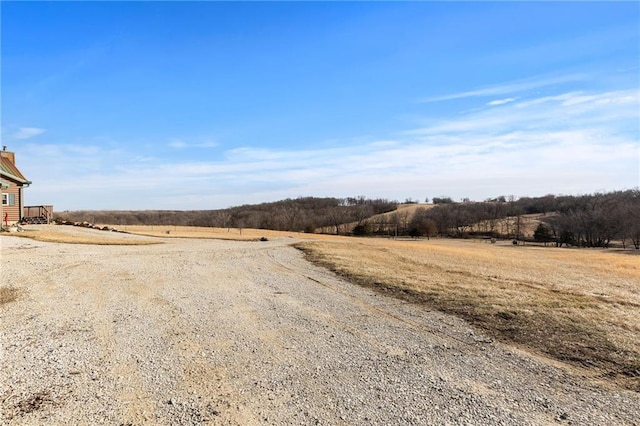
[{"x": 578, "y": 307}]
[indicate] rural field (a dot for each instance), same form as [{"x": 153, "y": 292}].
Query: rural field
[{"x": 179, "y": 325}]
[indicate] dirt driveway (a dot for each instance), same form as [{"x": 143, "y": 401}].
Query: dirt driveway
[{"x": 223, "y": 332}]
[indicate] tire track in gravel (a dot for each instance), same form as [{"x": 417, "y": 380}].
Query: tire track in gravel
[
  {"x": 111, "y": 299},
  {"x": 189, "y": 296},
  {"x": 435, "y": 332}
]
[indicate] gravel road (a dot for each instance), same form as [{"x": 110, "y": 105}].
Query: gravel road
[{"x": 241, "y": 333}]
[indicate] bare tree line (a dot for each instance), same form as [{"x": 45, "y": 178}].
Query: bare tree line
[
  {"x": 595, "y": 220},
  {"x": 592, "y": 220},
  {"x": 304, "y": 214}
]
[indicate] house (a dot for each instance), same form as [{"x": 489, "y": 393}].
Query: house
[{"x": 12, "y": 184}]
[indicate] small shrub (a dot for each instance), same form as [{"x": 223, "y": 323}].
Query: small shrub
[{"x": 361, "y": 230}]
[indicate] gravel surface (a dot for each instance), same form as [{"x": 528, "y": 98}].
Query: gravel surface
[{"x": 222, "y": 332}]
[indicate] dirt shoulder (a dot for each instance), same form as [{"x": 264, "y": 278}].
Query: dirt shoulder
[{"x": 247, "y": 332}]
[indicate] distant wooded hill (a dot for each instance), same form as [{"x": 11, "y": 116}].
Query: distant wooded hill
[
  {"x": 592, "y": 220},
  {"x": 304, "y": 214}
]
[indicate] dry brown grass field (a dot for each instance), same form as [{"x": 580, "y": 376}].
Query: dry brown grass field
[{"x": 574, "y": 305}]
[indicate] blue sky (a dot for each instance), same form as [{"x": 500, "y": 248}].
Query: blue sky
[{"x": 204, "y": 105}]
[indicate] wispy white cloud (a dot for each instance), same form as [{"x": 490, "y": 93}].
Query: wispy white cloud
[
  {"x": 180, "y": 144},
  {"x": 177, "y": 144},
  {"x": 561, "y": 111},
  {"x": 28, "y": 132},
  {"x": 507, "y": 88},
  {"x": 501, "y": 101}
]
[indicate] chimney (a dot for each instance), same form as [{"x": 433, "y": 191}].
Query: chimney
[{"x": 8, "y": 155}]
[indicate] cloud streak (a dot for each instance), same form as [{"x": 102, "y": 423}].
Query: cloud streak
[
  {"x": 28, "y": 132},
  {"x": 507, "y": 88},
  {"x": 180, "y": 144},
  {"x": 500, "y": 101}
]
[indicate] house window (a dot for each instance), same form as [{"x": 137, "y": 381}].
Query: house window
[{"x": 8, "y": 199}]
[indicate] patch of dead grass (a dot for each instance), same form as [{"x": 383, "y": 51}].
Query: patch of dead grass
[
  {"x": 577, "y": 306},
  {"x": 8, "y": 294}
]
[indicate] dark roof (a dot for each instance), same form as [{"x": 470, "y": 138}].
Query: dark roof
[{"x": 9, "y": 170}]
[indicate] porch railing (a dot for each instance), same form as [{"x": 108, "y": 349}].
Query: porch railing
[{"x": 37, "y": 214}]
